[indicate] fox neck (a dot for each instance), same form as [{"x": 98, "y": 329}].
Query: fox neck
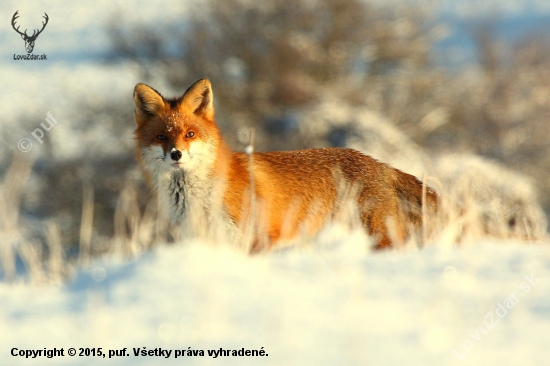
[
  {"x": 183, "y": 195},
  {"x": 189, "y": 197}
]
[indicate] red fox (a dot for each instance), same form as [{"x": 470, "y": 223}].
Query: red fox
[{"x": 196, "y": 177}]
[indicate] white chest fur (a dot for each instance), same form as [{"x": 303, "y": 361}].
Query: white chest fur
[{"x": 191, "y": 201}]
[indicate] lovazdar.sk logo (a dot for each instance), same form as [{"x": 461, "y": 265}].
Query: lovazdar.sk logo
[{"x": 29, "y": 40}]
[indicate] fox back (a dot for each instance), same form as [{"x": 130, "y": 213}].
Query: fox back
[{"x": 199, "y": 181}]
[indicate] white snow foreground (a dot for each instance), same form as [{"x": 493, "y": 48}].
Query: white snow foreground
[{"x": 330, "y": 304}]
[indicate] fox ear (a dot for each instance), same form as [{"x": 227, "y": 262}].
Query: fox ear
[
  {"x": 148, "y": 102},
  {"x": 200, "y": 99}
]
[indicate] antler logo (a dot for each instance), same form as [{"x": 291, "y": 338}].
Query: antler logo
[{"x": 29, "y": 40}]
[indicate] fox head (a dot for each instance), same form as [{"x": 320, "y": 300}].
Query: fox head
[{"x": 176, "y": 133}]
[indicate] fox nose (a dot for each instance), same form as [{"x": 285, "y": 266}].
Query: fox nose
[{"x": 175, "y": 155}]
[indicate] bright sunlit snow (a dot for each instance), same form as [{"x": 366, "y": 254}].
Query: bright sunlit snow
[{"x": 330, "y": 304}]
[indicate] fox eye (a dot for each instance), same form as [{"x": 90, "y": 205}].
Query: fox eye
[
  {"x": 190, "y": 135},
  {"x": 161, "y": 137}
]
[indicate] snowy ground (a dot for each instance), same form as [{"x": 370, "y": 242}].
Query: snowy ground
[{"x": 330, "y": 304}]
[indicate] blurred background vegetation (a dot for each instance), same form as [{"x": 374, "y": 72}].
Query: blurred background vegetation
[{"x": 268, "y": 61}]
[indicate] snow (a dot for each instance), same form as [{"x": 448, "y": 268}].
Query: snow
[{"x": 331, "y": 303}]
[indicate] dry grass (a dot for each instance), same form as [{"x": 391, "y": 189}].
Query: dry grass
[{"x": 464, "y": 217}]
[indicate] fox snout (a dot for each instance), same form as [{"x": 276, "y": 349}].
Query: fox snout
[{"x": 175, "y": 154}]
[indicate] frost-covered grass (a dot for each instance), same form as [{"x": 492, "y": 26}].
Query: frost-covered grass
[{"x": 463, "y": 297}]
